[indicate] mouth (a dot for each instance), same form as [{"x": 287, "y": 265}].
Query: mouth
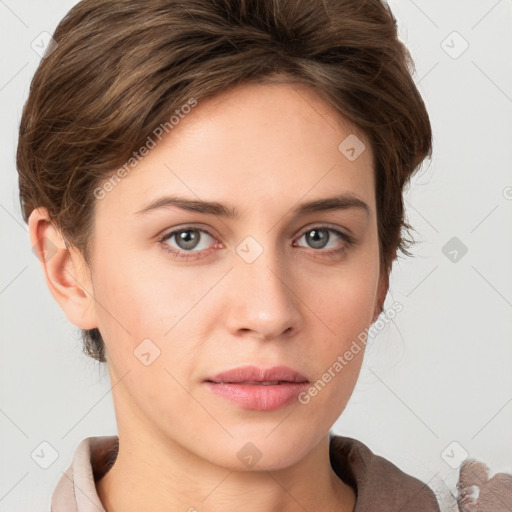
[
  {"x": 254, "y": 375},
  {"x": 254, "y": 383},
  {"x": 261, "y": 389}
]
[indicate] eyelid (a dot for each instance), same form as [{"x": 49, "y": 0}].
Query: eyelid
[
  {"x": 166, "y": 233},
  {"x": 343, "y": 231}
]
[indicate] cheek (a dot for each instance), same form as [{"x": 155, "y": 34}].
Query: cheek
[
  {"x": 346, "y": 300},
  {"x": 137, "y": 300},
  {"x": 132, "y": 303},
  {"x": 343, "y": 309}
]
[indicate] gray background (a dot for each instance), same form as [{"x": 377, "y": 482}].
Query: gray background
[{"x": 436, "y": 385}]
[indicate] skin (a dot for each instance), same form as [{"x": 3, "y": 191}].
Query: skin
[{"x": 262, "y": 149}]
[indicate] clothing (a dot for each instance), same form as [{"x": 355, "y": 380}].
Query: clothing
[
  {"x": 380, "y": 485},
  {"x": 477, "y": 492}
]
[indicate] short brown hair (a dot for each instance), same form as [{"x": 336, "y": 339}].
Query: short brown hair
[{"x": 121, "y": 67}]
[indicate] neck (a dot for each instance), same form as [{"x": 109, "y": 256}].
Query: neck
[{"x": 172, "y": 478}]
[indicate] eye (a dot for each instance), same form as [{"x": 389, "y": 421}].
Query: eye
[
  {"x": 188, "y": 240},
  {"x": 191, "y": 241},
  {"x": 319, "y": 238}
]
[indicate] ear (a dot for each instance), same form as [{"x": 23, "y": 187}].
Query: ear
[{"x": 66, "y": 273}]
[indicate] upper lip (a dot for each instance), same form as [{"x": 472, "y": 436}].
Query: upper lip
[{"x": 257, "y": 374}]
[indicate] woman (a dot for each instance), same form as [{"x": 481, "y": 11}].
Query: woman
[{"x": 215, "y": 189}]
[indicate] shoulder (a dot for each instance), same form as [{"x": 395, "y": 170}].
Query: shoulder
[
  {"x": 76, "y": 489},
  {"x": 379, "y": 484}
]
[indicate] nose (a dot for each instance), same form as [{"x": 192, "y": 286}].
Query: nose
[{"x": 263, "y": 300}]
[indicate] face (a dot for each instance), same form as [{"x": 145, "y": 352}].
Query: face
[{"x": 182, "y": 296}]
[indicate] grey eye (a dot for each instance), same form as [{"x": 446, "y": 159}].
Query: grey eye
[{"x": 189, "y": 239}]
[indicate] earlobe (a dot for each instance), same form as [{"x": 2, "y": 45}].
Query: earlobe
[{"x": 65, "y": 271}]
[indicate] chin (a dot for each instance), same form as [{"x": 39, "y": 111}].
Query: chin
[{"x": 260, "y": 451}]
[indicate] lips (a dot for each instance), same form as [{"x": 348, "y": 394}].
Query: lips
[
  {"x": 253, "y": 375},
  {"x": 251, "y": 387}
]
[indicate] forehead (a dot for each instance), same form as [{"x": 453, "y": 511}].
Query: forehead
[{"x": 254, "y": 145}]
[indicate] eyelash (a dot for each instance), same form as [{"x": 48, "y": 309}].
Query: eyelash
[{"x": 187, "y": 255}]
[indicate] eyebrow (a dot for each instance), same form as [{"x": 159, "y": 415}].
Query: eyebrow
[{"x": 339, "y": 202}]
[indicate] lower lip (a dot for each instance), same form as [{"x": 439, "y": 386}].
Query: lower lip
[{"x": 258, "y": 396}]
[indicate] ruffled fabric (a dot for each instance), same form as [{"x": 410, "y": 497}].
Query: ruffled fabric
[{"x": 479, "y": 493}]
